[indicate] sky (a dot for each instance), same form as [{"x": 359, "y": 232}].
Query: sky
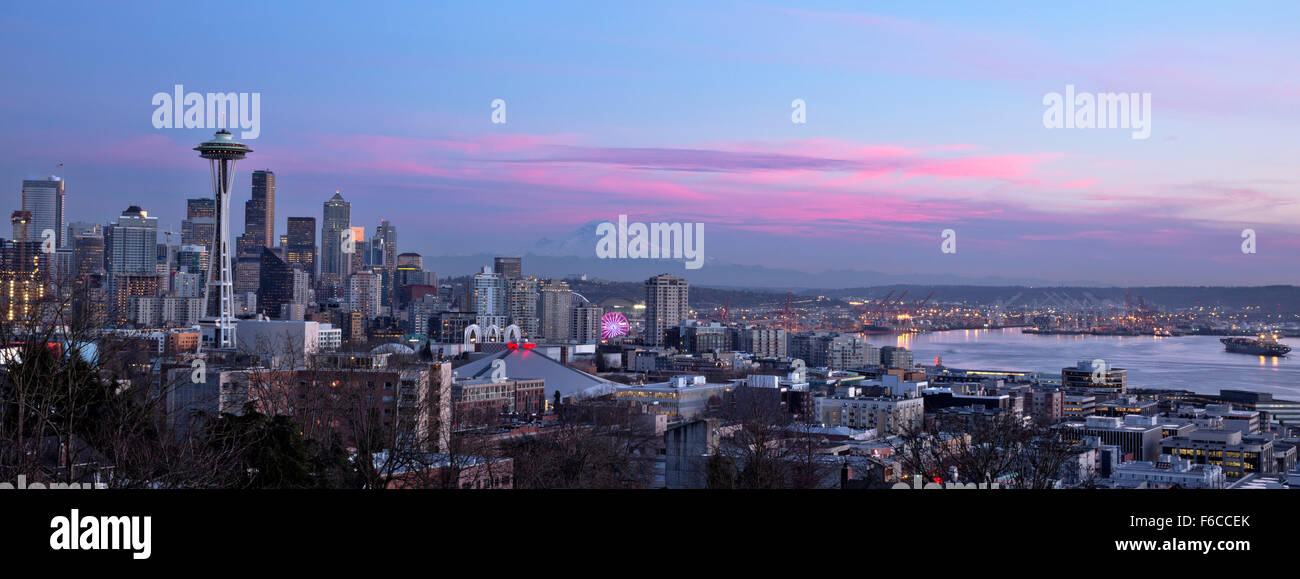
[{"x": 920, "y": 117}]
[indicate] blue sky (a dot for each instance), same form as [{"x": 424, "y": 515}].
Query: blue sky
[{"x": 921, "y": 117}]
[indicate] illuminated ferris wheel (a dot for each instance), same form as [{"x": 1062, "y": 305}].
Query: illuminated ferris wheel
[{"x": 613, "y": 325}]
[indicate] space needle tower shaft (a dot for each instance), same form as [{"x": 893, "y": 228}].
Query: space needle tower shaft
[{"x": 222, "y": 152}]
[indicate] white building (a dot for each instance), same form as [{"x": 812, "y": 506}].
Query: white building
[
  {"x": 1169, "y": 471},
  {"x": 888, "y": 415},
  {"x": 329, "y": 337},
  {"x": 154, "y": 311},
  {"x": 897, "y": 386},
  {"x": 488, "y": 298},
  {"x": 281, "y": 343}
]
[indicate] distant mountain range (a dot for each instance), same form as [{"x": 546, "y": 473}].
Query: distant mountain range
[
  {"x": 714, "y": 273},
  {"x": 574, "y": 256}
]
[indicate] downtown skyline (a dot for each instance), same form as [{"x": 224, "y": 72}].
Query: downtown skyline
[{"x": 914, "y": 125}]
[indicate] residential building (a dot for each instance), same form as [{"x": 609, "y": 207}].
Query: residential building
[{"x": 667, "y": 303}]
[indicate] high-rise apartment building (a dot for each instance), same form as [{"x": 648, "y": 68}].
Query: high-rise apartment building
[
  {"x": 488, "y": 299},
  {"x": 521, "y": 298},
  {"x": 897, "y": 357},
  {"x": 363, "y": 293},
  {"x": 768, "y": 342},
  {"x": 585, "y": 325},
  {"x": 666, "y": 305},
  {"x": 45, "y": 200},
  {"x": 23, "y": 271},
  {"x": 556, "y": 311},
  {"x": 132, "y": 243},
  {"x": 200, "y": 224}
]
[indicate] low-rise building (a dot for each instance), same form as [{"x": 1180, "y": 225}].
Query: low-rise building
[
  {"x": 1239, "y": 455},
  {"x": 887, "y": 415},
  {"x": 681, "y": 397},
  {"x": 1169, "y": 472},
  {"x": 1138, "y": 436},
  {"x": 1079, "y": 405}
]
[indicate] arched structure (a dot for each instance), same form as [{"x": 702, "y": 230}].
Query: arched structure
[{"x": 473, "y": 334}]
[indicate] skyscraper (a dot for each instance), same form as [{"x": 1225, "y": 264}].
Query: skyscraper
[
  {"x": 508, "y": 267},
  {"x": 200, "y": 224},
  {"x": 45, "y": 200},
  {"x": 360, "y": 249},
  {"x": 412, "y": 281},
  {"x": 300, "y": 246},
  {"x": 585, "y": 327},
  {"x": 363, "y": 293},
  {"x": 666, "y": 305},
  {"x": 556, "y": 312},
  {"x": 22, "y": 272},
  {"x": 259, "y": 214},
  {"x": 488, "y": 299},
  {"x": 189, "y": 258},
  {"x": 521, "y": 297},
  {"x": 275, "y": 283},
  {"x": 384, "y": 248},
  {"x": 337, "y": 217},
  {"x": 132, "y": 243},
  {"x": 132, "y": 255},
  {"x": 89, "y": 254}
]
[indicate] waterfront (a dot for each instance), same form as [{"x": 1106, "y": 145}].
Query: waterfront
[{"x": 1197, "y": 363}]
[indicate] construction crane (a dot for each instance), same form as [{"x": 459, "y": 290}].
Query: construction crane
[
  {"x": 916, "y": 306},
  {"x": 897, "y": 303},
  {"x": 878, "y": 309},
  {"x": 723, "y": 314}
]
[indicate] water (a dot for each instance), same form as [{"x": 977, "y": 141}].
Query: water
[{"x": 1196, "y": 363}]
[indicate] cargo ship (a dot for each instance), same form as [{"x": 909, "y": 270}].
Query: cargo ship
[{"x": 1265, "y": 345}]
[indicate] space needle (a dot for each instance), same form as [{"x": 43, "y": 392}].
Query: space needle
[{"x": 222, "y": 152}]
